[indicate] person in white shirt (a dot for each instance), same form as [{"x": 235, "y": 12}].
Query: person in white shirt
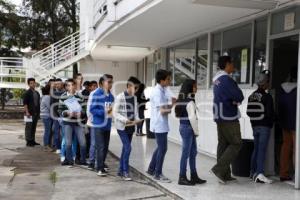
[{"x": 160, "y": 109}]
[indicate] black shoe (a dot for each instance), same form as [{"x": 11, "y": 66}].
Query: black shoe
[
  {"x": 83, "y": 164},
  {"x": 106, "y": 168},
  {"x": 150, "y": 173},
  {"x": 184, "y": 181},
  {"x": 91, "y": 166},
  {"x": 283, "y": 179},
  {"x": 230, "y": 179},
  {"x": 196, "y": 180},
  {"x": 65, "y": 163},
  {"x": 35, "y": 143},
  {"x": 30, "y": 144},
  {"x": 218, "y": 176},
  {"x": 77, "y": 161}
]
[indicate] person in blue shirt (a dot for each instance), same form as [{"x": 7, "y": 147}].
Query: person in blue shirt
[
  {"x": 186, "y": 111},
  {"x": 101, "y": 118},
  {"x": 160, "y": 109},
  {"x": 227, "y": 97}
]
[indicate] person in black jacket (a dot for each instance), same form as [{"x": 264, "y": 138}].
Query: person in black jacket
[
  {"x": 261, "y": 112},
  {"x": 287, "y": 106},
  {"x": 141, "y": 99},
  {"x": 31, "y": 104}
]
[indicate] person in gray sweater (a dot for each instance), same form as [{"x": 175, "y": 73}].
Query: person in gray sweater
[{"x": 45, "y": 115}]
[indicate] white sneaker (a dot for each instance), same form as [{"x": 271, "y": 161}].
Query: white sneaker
[
  {"x": 262, "y": 179},
  {"x": 126, "y": 177},
  {"x": 102, "y": 173},
  {"x": 162, "y": 179},
  {"x": 62, "y": 159},
  {"x": 57, "y": 151}
]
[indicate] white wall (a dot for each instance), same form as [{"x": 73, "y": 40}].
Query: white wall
[{"x": 93, "y": 69}]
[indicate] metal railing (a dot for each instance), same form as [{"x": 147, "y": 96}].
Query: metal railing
[
  {"x": 12, "y": 70},
  {"x": 60, "y": 51}
]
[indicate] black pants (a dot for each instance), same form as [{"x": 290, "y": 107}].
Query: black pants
[
  {"x": 30, "y": 129},
  {"x": 102, "y": 138}
]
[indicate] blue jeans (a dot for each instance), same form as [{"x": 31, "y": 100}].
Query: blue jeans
[
  {"x": 261, "y": 140},
  {"x": 140, "y": 125},
  {"x": 63, "y": 143},
  {"x": 189, "y": 149},
  {"x": 70, "y": 131},
  {"x": 47, "y": 128},
  {"x": 126, "y": 138},
  {"x": 102, "y": 138},
  {"x": 92, "y": 146},
  {"x": 56, "y": 134},
  {"x": 158, "y": 156}
]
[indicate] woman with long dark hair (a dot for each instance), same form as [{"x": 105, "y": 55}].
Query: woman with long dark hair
[{"x": 186, "y": 111}]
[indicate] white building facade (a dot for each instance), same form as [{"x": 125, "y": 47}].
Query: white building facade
[{"x": 137, "y": 37}]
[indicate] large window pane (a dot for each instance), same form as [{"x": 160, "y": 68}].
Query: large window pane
[
  {"x": 260, "y": 47},
  {"x": 237, "y": 44},
  {"x": 202, "y": 61},
  {"x": 182, "y": 62}
]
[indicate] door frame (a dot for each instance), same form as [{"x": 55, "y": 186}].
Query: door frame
[{"x": 270, "y": 45}]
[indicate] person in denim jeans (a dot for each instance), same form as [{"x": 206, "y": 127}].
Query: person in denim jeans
[
  {"x": 126, "y": 117},
  {"x": 160, "y": 109},
  {"x": 45, "y": 116},
  {"x": 72, "y": 109},
  {"x": 63, "y": 143},
  {"x": 260, "y": 109},
  {"x": 186, "y": 111},
  {"x": 101, "y": 117}
]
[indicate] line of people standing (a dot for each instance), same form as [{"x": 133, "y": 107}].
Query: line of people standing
[{"x": 84, "y": 116}]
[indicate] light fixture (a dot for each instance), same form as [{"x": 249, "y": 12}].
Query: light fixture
[
  {"x": 120, "y": 47},
  {"x": 250, "y": 4}
]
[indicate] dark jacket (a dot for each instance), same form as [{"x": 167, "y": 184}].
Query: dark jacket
[
  {"x": 227, "y": 96},
  {"x": 260, "y": 109},
  {"x": 54, "y": 101},
  {"x": 287, "y": 106},
  {"x": 29, "y": 101}
]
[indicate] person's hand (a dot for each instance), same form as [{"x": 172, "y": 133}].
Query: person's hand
[
  {"x": 236, "y": 103},
  {"x": 129, "y": 122},
  {"x": 28, "y": 114}
]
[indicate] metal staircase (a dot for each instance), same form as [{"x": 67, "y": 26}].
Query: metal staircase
[
  {"x": 12, "y": 73},
  {"x": 46, "y": 63}
]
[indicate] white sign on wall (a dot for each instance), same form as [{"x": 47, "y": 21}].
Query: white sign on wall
[{"x": 289, "y": 21}]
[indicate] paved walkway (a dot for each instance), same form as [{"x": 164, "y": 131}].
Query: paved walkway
[
  {"x": 32, "y": 174},
  {"x": 243, "y": 189}
]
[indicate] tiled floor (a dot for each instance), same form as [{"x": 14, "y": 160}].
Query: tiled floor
[{"x": 142, "y": 149}]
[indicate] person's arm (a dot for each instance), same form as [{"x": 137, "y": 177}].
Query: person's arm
[
  {"x": 117, "y": 109},
  {"x": 97, "y": 105},
  {"x": 25, "y": 103},
  {"x": 270, "y": 113},
  {"x": 235, "y": 92},
  {"x": 62, "y": 108},
  {"x": 192, "y": 115}
]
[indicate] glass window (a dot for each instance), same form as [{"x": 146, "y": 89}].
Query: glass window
[
  {"x": 216, "y": 53},
  {"x": 150, "y": 70},
  {"x": 182, "y": 62},
  {"x": 202, "y": 61},
  {"x": 260, "y": 47},
  {"x": 237, "y": 44}
]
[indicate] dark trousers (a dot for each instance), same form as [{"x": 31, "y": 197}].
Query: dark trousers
[
  {"x": 229, "y": 145},
  {"x": 158, "y": 156},
  {"x": 30, "y": 129},
  {"x": 140, "y": 125},
  {"x": 102, "y": 138}
]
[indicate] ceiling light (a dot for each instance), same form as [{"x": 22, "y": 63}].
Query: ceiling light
[{"x": 250, "y": 4}]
